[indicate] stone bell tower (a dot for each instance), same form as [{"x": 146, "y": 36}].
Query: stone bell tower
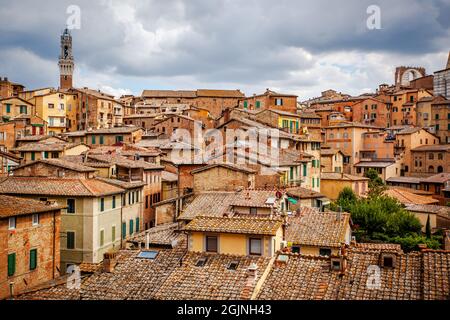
[{"x": 65, "y": 63}]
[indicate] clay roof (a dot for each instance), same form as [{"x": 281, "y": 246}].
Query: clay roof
[
  {"x": 341, "y": 176},
  {"x": 208, "y": 203},
  {"x": 214, "y": 280},
  {"x": 44, "y": 146},
  {"x": 230, "y": 166},
  {"x": 168, "y": 94},
  {"x": 56, "y": 186},
  {"x": 241, "y": 225},
  {"x": 14, "y": 206},
  {"x": 437, "y": 178},
  {"x": 303, "y": 193},
  {"x": 169, "y": 176},
  {"x": 435, "y": 147},
  {"x": 428, "y": 208},
  {"x": 123, "y": 184},
  {"x": 123, "y": 161},
  {"x": 114, "y": 130},
  {"x": 404, "y": 179},
  {"x": 374, "y": 164},
  {"x": 62, "y": 163},
  {"x": 220, "y": 93},
  {"x": 329, "y": 152},
  {"x": 436, "y": 279},
  {"x": 317, "y": 228},
  {"x": 407, "y": 197},
  {"x": 162, "y": 235},
  {"x": 252, "y": 198},
  {"x": 378, "y": 246}
]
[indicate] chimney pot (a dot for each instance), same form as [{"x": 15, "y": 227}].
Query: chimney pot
[{"x": 109, "y": 261}]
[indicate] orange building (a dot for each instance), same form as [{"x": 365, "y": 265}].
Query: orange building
[{"x": 270, "y": 100}]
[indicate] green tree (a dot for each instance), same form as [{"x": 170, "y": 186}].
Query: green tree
[
  {"x": 346, "y": 199},
  {"x": 376, "y": 184},
  {"x": 428, "y": 228}
]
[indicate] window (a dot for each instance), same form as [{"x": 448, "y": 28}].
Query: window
[
  {"x": 70, "y": 240},
  {"x": 33, "y": 156},
  {"x": 304, "y": 170},
  {"x": 335, "y": 265},
  {"x": 201, "y": 262},
  {"x": 70, "y": 205},
  {"x": 258, "y": 104},
  {"x": 23, "y": 109},
  {"x": 35, "y": 219},
  {"x": 255, "y": 246},
  {"x": 137, "y": 224},
  {"x": 388, "y": 262},
  {"x": 11, "y": 264},
  {"x": 101, "y": 139},
  {"x": 119, "y": 139},
  {"x": 51, "y": 106},
  {"x": 211, "y": 244},
  {"x": 55, "y": 155},
  {"x": 114, "y": 202},
  {"x": 431, "y": 156},
  {"x": 102, "y": 204},
  {"x": 124, "y": 230},
  {"x": 233, "y": 265},
  {"x": 102, "y": 238},
  {"x": 253, "y": 211},
  {"x": 93, "y": 140},
  {"x": 245, "y": 104},
  {"x": 12, "y": 223},
  {"x": 325, "y": 252},
  {"x": 8, "y": 108},
  {"x": 295, "y": 249},
  {"x": 113, "y": 233},
  {"x": 278, "y": 101},
  {"x": 33, "y": 259},
  {"x": 131, "y": 227}
]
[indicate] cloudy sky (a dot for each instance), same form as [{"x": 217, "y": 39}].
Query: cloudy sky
[{"x": 301, "y": 47}]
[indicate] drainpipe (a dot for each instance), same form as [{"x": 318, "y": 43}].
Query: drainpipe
[
  {"x": 121, "y": 217},
  {"x": 54, "y": 243}
]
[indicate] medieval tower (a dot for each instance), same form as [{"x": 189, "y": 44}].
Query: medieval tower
[{"x": 65, "y": 63}]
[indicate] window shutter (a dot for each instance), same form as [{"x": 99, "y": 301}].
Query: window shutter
[
  {"x": 131, "y": 227},
  {"x": 93, "y": 139},
  {"x": 137, "y": 224},
  {"x": 124, "y": 230},
  {"x": 113, "y": 233},
  {"x": 33, "y": 259},
  {"x": 11, "y": 264}
]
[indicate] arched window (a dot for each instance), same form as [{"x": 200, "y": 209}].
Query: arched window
[
  {"x": 430, "y": 169},
  {"x": 440, "y": 169}
]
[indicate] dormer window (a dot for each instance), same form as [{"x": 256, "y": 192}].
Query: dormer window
[
  {"x": 387, "y": 260},
  {"x": 201, "y": 262},
  {"x": 335, "y": 264},
  {"x": 233, "y": 265}
]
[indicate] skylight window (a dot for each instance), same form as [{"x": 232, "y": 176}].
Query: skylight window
[
  {"x": 233, "y": 265},
  {"x": 147, "y": 255},
  {"x": 201, "y": 262}
]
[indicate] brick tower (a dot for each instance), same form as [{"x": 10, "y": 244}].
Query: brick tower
[{"x": 65, "y": 62}]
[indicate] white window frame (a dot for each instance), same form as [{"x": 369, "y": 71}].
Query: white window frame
[
  {"x": 35, "y": 219},
  {"x": 10, "y": 224}
]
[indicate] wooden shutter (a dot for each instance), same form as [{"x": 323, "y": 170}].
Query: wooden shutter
[
  {"x": 33, "y": 259},
  {"x": 131, "y": 227},
  {"x": 11, "y": 264},
  {"x": 137, "y": 224},
  {"x": 124, "y": 230}
]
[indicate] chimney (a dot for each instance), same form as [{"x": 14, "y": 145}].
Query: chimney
[
  {"x": 338, "y": 214},
  {"x": 252, "y": 270},
  {"x": 147, "y": 240},
  {"x": 448, "y": 61},
  {"x": 109, "y": 261}
]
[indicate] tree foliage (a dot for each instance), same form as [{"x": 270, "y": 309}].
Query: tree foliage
[{"x": 382, "y": 218}]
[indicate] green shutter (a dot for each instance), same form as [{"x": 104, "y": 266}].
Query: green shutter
[
  {"x": 101, "y": 139},
  {"x": 258, "y": 104},
  {"x": 304, "y": 169},
  {"x": 318, "y": 182},
  {"x": 313, "y": 182},
  {"x": 8, "y": 108},
  {"x": 33, "y": 259},
  {"x": 114, "y": 202},
  {"x": 137, "y": 224},
  {"x": 93, "y": 139},
  {"x": 245, "y": 104},
  {"x": 33, "y": 156},
  {"x": 131, "y": 227},
  {"x": 113, "y": 233},
  {"x": 70, "y": 240},
  {"x": 102, "y": 204},
  {"x": 11, "y": 264},
  {"x": 124, "y": 230},
  {"x": 292, "y": 173},
  {"x": 314, "y": 163},
  {"x": 102, "y": 238}
]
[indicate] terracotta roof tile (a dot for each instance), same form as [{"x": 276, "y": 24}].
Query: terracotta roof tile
[
  {"x": 15, "y": 206},
  {"x": 241, "y": 225}
]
